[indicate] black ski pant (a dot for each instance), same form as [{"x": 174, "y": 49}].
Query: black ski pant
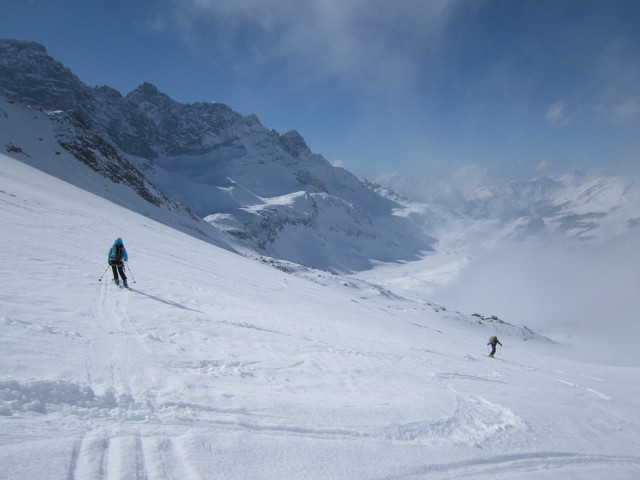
[
  {"x": 493, "y": 350},
  {"x": 118, "y": 267}
]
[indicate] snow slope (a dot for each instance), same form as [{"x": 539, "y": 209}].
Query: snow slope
[{"x": 218, "y": 366}]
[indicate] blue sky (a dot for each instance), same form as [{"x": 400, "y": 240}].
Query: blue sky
[{"x": 413, "y": 86}]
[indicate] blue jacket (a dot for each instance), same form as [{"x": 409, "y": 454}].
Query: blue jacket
[{"x": 112, "y": 251}]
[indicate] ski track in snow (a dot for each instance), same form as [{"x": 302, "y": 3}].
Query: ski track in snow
[
  {"x": 101, "y": 457},
  {"x": 556, "y": 464}
]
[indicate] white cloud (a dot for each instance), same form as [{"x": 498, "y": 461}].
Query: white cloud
[
  {"x": 626, "y": 111},
  {"x": 556, "y": 114},
  {"x": 469, "y": 178},
  {"x": 620, "y": 113},
  {"x": 370, "y": 43},
  {"x": 619, "y": 75},
  {"x": 542, "y": 166}
]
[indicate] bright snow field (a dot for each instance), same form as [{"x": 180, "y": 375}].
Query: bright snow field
[{"x": 218, "y": 366}]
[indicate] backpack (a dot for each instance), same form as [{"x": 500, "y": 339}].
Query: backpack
[
  {"x": 117, "y": 253},
  {"x": 493, "y": 340}
]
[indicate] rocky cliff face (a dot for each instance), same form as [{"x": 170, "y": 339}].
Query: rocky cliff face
[
  {"x": 38, "y": 80},
  {"x": 74, "y": 136}
]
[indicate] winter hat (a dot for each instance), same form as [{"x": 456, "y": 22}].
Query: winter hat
[{"x": 118, "y": 241}]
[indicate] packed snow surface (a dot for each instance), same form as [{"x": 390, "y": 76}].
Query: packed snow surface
[{"x": 218, "y": 366}]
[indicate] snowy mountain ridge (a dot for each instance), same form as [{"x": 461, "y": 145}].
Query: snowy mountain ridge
[{"x": 226, "y": 167}]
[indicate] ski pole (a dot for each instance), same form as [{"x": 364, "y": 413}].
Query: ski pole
[
  {"x": 130, "y": 272},
  {"x": 105, "y": 271}
]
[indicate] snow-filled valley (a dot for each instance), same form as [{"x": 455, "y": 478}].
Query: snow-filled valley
[{"x": 219, "y": 366}]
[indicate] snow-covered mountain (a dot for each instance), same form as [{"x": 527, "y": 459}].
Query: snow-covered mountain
[
  {"x": 216, "y": 366},
  {"x": 265, "y": 190},
  {"x": 580, "y": 207}
]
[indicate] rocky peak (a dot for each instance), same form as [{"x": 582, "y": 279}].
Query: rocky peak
[
  {"x": 146, "y": 89},
  {"x": 14, "y": 48},
  {"x": 108, "y": 94},
  {"x": 38, "y": 80},
  {"x": 148, "y": 93},
  {"x": 294, "y": 144}
]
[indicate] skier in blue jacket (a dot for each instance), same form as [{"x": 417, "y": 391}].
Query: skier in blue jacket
[{"x": 116, "y": 258}]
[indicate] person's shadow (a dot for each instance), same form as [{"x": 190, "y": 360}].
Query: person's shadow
[{"x": 166, "y": 302}]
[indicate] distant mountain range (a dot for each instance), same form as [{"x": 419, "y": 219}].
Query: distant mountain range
[
  {"x": 579, "y": 207},
  {"x": 208, "y": 170}
]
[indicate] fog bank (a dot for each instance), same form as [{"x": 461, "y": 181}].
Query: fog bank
[{"x": 588, "y": 292}]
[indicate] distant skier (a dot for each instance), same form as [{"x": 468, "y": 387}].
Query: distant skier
[
  {"x": 493, "y": 341},
  {"x": 116, "y": 258}
]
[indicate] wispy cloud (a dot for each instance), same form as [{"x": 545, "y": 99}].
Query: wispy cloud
[
  {"x": 542, "y": 166},
  {"x": 359, "y": 42},
  {"x": 556, "y": 115},
  {"x": 619, "y": 80},
  {"x": 626, "y": 111}
]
